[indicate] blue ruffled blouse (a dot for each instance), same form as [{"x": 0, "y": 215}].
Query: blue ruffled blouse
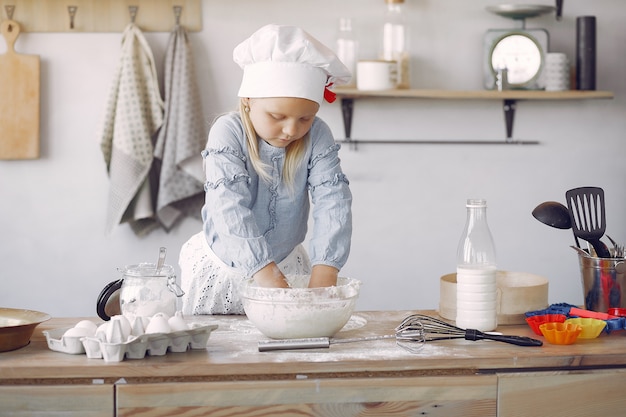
[{"x": 248, "y": 222}]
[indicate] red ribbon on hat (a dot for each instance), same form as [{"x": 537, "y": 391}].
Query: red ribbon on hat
[{"x": 329, "y": 96}]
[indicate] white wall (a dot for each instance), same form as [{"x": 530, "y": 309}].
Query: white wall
[{"x": 408, "y": 199}]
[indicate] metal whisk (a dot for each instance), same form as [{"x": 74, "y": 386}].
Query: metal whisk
[{"x": 433, "y": 329}]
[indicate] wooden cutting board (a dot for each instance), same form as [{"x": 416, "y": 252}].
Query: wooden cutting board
[{"x": 19, "y": 99}]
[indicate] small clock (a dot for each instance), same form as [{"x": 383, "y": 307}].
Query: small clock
[{"x": 520, "y": 51}]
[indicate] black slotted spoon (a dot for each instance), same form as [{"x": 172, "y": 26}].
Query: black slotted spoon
[{"x": 587, "y": 213}]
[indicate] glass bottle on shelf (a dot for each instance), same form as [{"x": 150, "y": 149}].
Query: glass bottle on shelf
[
  {"x": 395, "y": 41},
  {"x": 476, "y": 304},
  {"x": 347, "y": 47}
]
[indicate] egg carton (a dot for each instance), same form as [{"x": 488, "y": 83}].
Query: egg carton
[
  {"x": 136, "y": 347},
  {"x": 66, "y": 344}
]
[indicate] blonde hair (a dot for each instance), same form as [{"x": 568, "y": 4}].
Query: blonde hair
[{"x": 294, "y": 153}]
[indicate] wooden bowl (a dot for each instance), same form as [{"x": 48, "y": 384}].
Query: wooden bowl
[{"x": 17, "y": 326}]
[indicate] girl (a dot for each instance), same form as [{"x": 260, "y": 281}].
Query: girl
[{"x": 263, "y": 164}]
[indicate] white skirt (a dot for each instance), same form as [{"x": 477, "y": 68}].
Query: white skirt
[{"x": 211, "y": 286}]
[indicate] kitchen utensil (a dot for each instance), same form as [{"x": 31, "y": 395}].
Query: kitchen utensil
[
  {"x": 554, "y": 214},
  {"x": 19, "y": 101},
  {"x": 535, "y": 321},
  {"x": 519, "y": 11},
  {"x": 401, "y": 335},
  {"x": 602, "y": 280},
  {"x": 412, "y": 331},
  {"x": 614, "y": 243},
  {"x": 435, "y": 329},
  {"x": 617, "y": 311},
  {"x": 588, "y": 217},
  {"x": 618, "y": 249},
  {"x": 580, "y": 251},
  {"x": 591, "y": 328},
  {"x": 17, "y": 326},
  {"x": 404, "y": 334},
  {"x": 561, "y": 333},
  {"x": 161, "y": 260},
  {"x": 580, "y": 312}
]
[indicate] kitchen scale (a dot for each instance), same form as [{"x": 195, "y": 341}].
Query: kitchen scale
[{"x": 520, "y": 51}]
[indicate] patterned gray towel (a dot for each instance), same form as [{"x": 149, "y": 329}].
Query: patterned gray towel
[
  {"x": 182, "y": 137},
  {"x": 133, "y": 116}
]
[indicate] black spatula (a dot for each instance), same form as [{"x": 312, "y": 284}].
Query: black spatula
[{"x": 586, "y": 210}]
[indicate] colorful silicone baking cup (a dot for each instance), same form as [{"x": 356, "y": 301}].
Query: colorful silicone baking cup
[
  {"x": 535, "y": 321},
  {"x": 561, "y": 333},
  {"x": 591, "y": 327}
]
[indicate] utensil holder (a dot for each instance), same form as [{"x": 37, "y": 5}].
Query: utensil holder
[{"x": 603, "y": 282}]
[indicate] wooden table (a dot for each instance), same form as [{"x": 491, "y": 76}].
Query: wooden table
[{"x": 373, "y": 378}]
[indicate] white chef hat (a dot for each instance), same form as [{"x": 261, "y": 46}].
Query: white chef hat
[{"x": 285, "y": 61}]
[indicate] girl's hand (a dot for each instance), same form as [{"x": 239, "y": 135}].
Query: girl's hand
[
  {"x": 270, "y": 277},
  {"x": 323, "y": 276}
]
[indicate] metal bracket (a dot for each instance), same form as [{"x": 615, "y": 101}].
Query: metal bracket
[
  {"x": 508, "y": 106},
  {"x": 509, "y": 115},
  {"x": 347, "y": 109}
]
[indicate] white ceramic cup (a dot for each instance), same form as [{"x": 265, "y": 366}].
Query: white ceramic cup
[{"x": 376, "y": 75}]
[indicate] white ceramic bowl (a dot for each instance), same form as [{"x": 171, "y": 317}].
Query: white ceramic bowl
[{"x": 298, "y": 312}]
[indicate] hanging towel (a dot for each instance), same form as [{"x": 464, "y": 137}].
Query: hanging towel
[
  {"x": 182, "y": 137},
  {"x": 133, "y": 116}
]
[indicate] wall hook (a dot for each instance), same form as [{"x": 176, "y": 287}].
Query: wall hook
[
  {"x": 133, "y": 13},
  {"x": 177, "y": 12},
  {"x": 559, "y": 9},
  {"x": 9, "y": 9},
  {"x": 71, "y": 10}
]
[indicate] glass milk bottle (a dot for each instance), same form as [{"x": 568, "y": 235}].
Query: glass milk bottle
[
  {"x": 395, "y": 41},
  {"x": 476, "y": 296},
  {"x": 347, "y": 47}
]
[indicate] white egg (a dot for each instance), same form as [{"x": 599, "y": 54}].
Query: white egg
[
  {"x": 138, "y": 325},
  {"x": 158, "y": 324},
  {"x": 77, "y": 332},
  {"x": 177, "y": 322},
  {"x": 164, "y": 315},
  {"x": 101, "y": 331},
  {"x": 114, "y": 333},
  {"x": 89, "y": 325},
  {"x": 124, "y": 325}
]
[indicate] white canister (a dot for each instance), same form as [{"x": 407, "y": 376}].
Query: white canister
[{"x": 376, "y": 75}]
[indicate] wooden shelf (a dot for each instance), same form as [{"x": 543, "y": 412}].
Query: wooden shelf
[
  {"x": 475, "y": 95},
  {"x": 509, "y": 100}
]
